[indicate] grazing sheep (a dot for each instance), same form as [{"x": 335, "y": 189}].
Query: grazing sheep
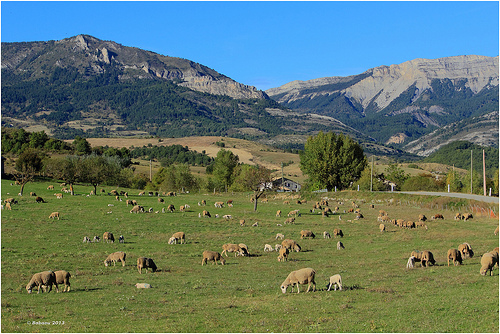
[
  {"x": 145, "y": 263},
  {"x": 227, "y": 217},
  {"x": 182, "y": 208},
  {"x": 455, "y": 256},
  {"x": 286, "y": 202},
  {"x": 277, "y": 247},
  {"x": 181, "y": 236},
  {"x": 51, "y": 187},
  {"x": 108, "y": 237},
  {"x": 86, "y": 239},
  {"x": 427, "y": 258},
  {"x": 245, "y": 249},
  {"x": 32, "y": 194},
  {"x": 54, "y": 215},
  {"x": 8, "y": 206},
  {"x": 411, "y": 262},
  {"x": 466, "y": 250},
  {"x": 301, "y": 276},
  {"x": 381, "y": 227},
  {"x": 38, "y": 199},
  {"x": 306, "y": 234},
  {"x": 278, "y": 213},
  {"x": 255, "y": 224},
  {"x": 458, "y": 216},
  {"x": 293, "y": 213},
  {"x": 206, "y": 213},
  {"x": 233, "y": 248},
  {"x": 283, "y": 255},
  {"x": 161, "y": 200},
  {"x": 45, "y": 280},
  {"x": 113, "y": 192},
  {"x": 96, "y": 239},
  {"x": 242, "y": 222},
  {"x": 219, "y": 204},
  {"x": 62, "y": 277},
  {"x": 212, "y": 256},
  {"x": 121, "y": 239},
  {"x": 326, "y": 235},
  {"x": 488, "y": 261},
  {"x": 137, "y": 209},
  {"x": 170, "y": 208},
  {"x": 437, "y": 216},
  {"x": 467, "y": 216},
  {"x": 420, "y": 224},
  {"x": 268, "y": 248},
  {"x": 336, "y": 281},
  {"x": 143, "y": 285},
  {"x": 289, "y": 220},
  {"x": 340, "y": 245},
  {"x": 338, "y": 232},
  {"x": 496, "y": 230},
  {"x": 291, "y": 245},
  {"x": 422, "y": 217},
  {"x": 150, "y": 210},
  {"x": 115, "y": 257}
]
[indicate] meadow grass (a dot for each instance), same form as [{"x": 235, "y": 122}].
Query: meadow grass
[{"x": 379, "y": 295}]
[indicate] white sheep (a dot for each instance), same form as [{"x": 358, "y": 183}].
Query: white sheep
[
  {"x": 121, "y": 239},
  {"x": 143, "y": 285},
  {"x": 268, "y": 248},
  {"x": 115, "y": 257},
  {"x": 283, "y": 255},
  {"x": 62, "y": 277},
  {"x": 96, "y": 239},
  {"x": 488, "y": 261},
  {"x": 336, "y": 281},
  {"x": 279, "y": 236},
  {"x": 181, "y": 236},
  {"x": 326, "y": 235},
  {"x": 227, "y": 217},
  {"x": 277, "y": 247},
  {"x": 233, "y": 248},
  {"x": 301, "y": 276},
  {"x": 86, "y": 239},
  {"x": 340, "y": 245},
  {"x": 411, "y": 262},
  {"x": 54, "y": 215},
  {"x": 45, "y": 280}
]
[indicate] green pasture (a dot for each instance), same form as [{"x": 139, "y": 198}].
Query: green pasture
[{"x": 379, "y": 295}]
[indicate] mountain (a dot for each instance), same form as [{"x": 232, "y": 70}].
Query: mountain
[
  {"x": 93, "y": 88},
  {"x": 399, "y": 103}
]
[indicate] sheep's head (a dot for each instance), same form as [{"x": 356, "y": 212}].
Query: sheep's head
[
  {"x": 106, "y": 262},
  {"x": 284, "y": 287},
  {"x": 222, "y": 260},
  {"x": 29, "y": 287},
  {"x": 297, "y": 248}
]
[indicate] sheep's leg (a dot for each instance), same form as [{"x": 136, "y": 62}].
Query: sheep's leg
[{"x": 329, "y": 286}]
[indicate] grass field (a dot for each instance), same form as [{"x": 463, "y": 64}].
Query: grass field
[{"x": 379, "y": 295}]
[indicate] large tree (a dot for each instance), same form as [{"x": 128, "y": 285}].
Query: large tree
[
  {"x": 224, "y": 165},
  {"x": 64, "y": 168},
  {"x": 27, "y": 166},
  {"x": 95, "y": 169},
  {"x": 332, "y": 160},
  {"x": 254, "y": 178}
]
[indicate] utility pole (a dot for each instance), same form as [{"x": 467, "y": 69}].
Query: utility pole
[
  {"x": 282, "y": 179},
  {"x": 471, "y": 171},
  {"x": 371, "y": 177},
  {"x": 484, "y": 174}
]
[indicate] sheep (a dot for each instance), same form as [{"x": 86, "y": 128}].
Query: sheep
[
  {"x": 268, "y": 248},
  {"x": 278, "y": 213},
  {"x": 182, "y": 208},
  {"x": 301, "y": 276},
  {"x": 233, "y": 248},
  {"x": 142, "y": 193},
  {"x": 245, "y": 249},
  {"x": 203, "y": 203},
  {"x": 219, "y": 204},
  {"x": 283, "y": 255},
  {"x": 86, "y": 239},
  {"x": 411, "y": 262},
  {"x": 113, "y": 192},
  {"x": 150, "y": 210},
  {"x": 212, "y": 256},
  {"x": 326, "y": 235},
  {"x": 467, "y": 216},
  {"x": 455, "y": 255},
  {"x": 32, "y": 194},
  {"x": 336, "y": 281},
  {"x": 96, "y": 239},
  {"x": 306, "y": 234},
  {"x": 422, "y": 217},
  {"x": 286, "y": 202},
  {"x": 115, "y": 257},
  {"x": 54, "y": 215},
  {"x": 277, "y": 247},
  {"x": 340, "y": 245},
  {"x": 437, "y": 216},
  {"x": 242, "y": 222},
  {"x": 187, "y": 206},
  {"x": 51, "y": 187},
  {"x": 178, "y": 236},
  {"x": 171, "y": 208},
  {"x": 121, "y": 239},
  {"x": 10, "y": 200},
  {"x": 466, "y": 250},
  {"x": 229, "y": 202},
  {"x": 289, "y": 220},
  {"x": 293, "y": 213},
  {"x": 420, "y": 224},
  {"x": 291, "y": 245},
  {"x": 38, "y": 199},
  {"x": 142, "y": 285},
  {"x": 338, "y": 232},
  {"x": 137, "y": 209},
  {"x": 45, "y": 280},
  {"x": 206, "y": 213},
  {"x": 8, "y": 206},
  {"x": 255, "y": 224},
  {"x": 496, "y": 230},
  {"x": 62, "y": 277},
  {"x": 488, "y": 261},
  {"x": 62, "y": 184},
  {"x": 458, "y": 216},
  {"x": 381, "y": 227},
  {"x": 108, "y": 237},
  {"x": 427, "y": 258},
  {"x": 146, "y": 263},
  {"x": 161, "y": 200},
  {"x": 227, "y": 217}
]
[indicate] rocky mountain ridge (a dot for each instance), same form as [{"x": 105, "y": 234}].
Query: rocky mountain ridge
[{"x": 93, "y": 56}]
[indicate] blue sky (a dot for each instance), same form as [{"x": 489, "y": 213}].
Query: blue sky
[{"x": 268, "y": 44}]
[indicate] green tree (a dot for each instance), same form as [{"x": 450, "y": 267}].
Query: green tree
[
  {"x": 454, "y": 179},
  {"x": 96, "y": 169},
  {"x": 367, "y": 178},
  {"x": 82, "y": 146},
  {"x": 64, "y": 168},
  {"x": 397, "y": 175},
  {"x": 27, "y": 166},
  {"x": 332, "y": 160},
  {"x": 224, "y": 165}
]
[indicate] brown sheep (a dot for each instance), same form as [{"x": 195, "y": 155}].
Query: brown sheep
[
  {"x": 137, "y": 209},
  {"x": 32, "y": 194},
  {"x": 437, "y": 216},
  {"x": 242, "y": 222},
  {"x": 458, "y": 216},
  {"x": 306, "y": 234},
  {"x": 466, "y": 250},
  {"x": 301, "y": 276},
  {"x": 145, "y": 263},
  {"x": 45, "y": 280},
  {"x": 161, "y": 200},
  {"x": 115, "y": 257},
  {"x": 206, "y": 213},
  {"x": 62, "y": 277},
  {"x": 233, "y": 248},
  {"x": 178, "y": 236},
  {"x": 417, "y": 255},
  {"x": 54, "y": 215},
  {"x": 51, "y": 187},
  {"x": 283, "y": 255},
  {"x": 170, "y": 208},
  {"x": 427, "y": 258},
  {"x": 8, "y": 206},
  {"x": 422, "y": 217},
  {"x": 10, "y": 200},
  {"x": 381, "y": 227},
  {"x": 278, "y": 213},
  {"x": 338, "y": 232},
  {"x": 289, "y": 220},
  {"x": 212, "y": 256},
  {"x": 488, "y": 261},
  {"x": 467, "y": 216},
  {"x": 58, "y": 195},
  {"x": 108, "y": 237},
  {"x": 291, "y": 245},
  {"x": 38, "y": 199},
  {"x": 182, "y": 208},
  {"x": 455, "y": 256}
]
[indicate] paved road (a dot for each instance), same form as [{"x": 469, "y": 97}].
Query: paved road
[{"x": 487, "y": 199}]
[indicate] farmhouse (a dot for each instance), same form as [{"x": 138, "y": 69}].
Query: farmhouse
[{"x": 284, "y": 184}]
